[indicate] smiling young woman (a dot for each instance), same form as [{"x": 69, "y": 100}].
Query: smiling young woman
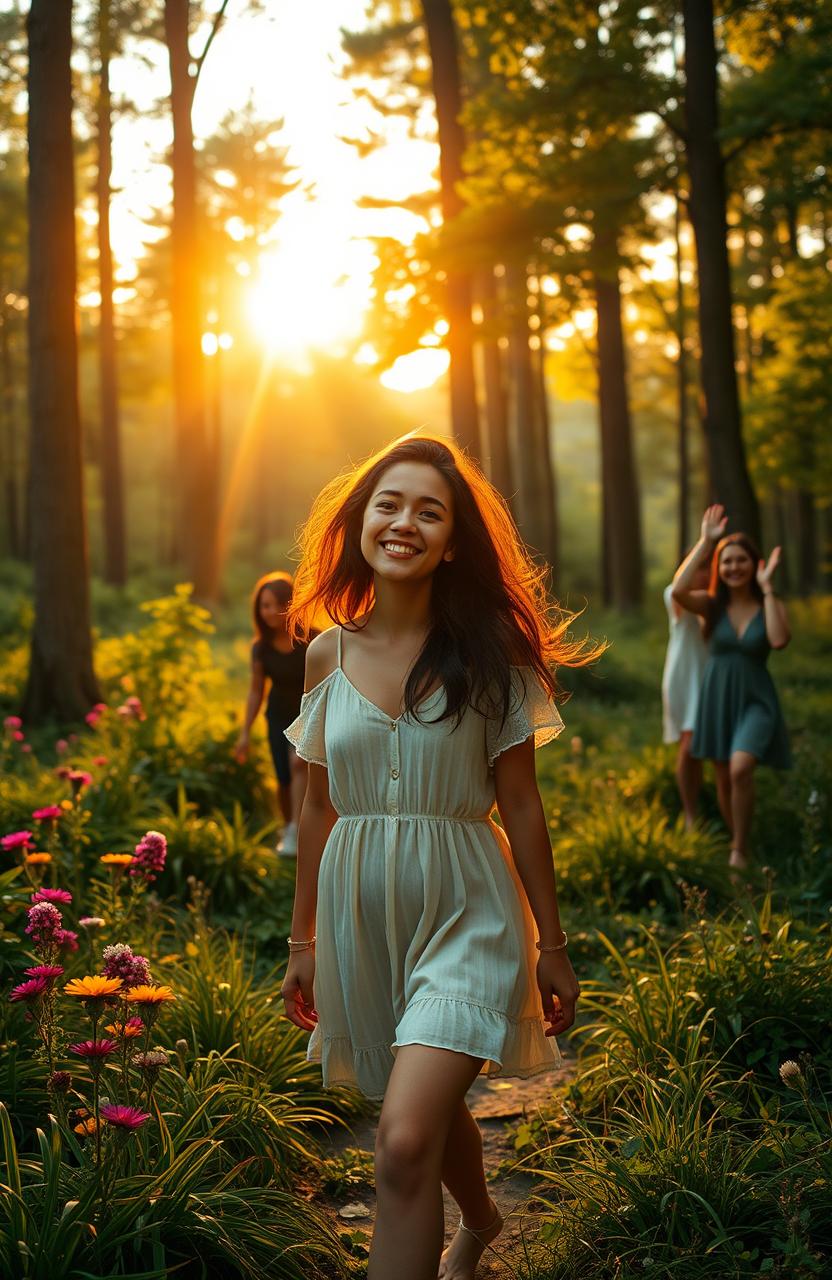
[
  {"x": 426, "y": 942},
  {"x": 739, "y": 723}
]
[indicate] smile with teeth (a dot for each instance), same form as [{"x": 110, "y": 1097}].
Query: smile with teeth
[{"x": 400, "y": 549}]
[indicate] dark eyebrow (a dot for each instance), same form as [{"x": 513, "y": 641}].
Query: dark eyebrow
[{"x": 396, "y": 493}]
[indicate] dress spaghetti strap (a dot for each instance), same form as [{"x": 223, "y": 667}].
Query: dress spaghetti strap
[{"x": 338, "y": 647}]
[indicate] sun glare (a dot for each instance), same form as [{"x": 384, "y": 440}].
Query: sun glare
[{"x": 417, "y": 370}]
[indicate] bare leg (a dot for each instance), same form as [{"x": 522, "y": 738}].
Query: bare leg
[
  {"x": 297, "y": 786},
  {"x": 425, "y": 1089},
  {"x": 742, "y": 804},
  {"x": 284, "y": 800},
  {"x": 723, "y": 793},
  {"x": 464, "y": 1176},
  {"x": 688, "y": 778}
]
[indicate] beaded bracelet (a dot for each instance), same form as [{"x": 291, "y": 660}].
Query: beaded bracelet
[
  {"x": 300, "y": 946},
  {"x": 560, "y": 947}
]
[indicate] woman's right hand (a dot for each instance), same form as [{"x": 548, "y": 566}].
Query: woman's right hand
[
  {"x": 297, "y": 990},
  {"x": 241, "y": 749},
  {"x": 714, "y": 523}
]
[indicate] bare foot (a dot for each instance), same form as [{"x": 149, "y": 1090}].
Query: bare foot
[
  {"x": 738, "y": 862},
  {"x": 459, "y": 1261}
]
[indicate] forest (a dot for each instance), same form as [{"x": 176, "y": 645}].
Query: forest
[{"x": 243, "y": 246}]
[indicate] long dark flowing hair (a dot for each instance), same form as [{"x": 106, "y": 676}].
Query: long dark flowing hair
[
  {"x": 718, "y": 592},
  {"x": 281, "y": 585},
  {"x": 489, "y": 605}
]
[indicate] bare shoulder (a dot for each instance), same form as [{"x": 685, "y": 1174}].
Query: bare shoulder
[{"x": 321, "y": 657}]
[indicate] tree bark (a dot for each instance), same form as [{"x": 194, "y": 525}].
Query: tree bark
[
  {"x": 729, "y": 481},
  {"x": 112, "y": 482},
  {"x": 543, "y": 420},
  {"x": 807, "y": 541},
  {"x": 683, "y": 511},
  {"x": 532, "y": 493},
  {"x": 197, "y": 516},
  {"x": 13, "y": 538},
  {"x": 495, "y": 445},
  {"x": 61, "y": 679},
  {"x": 447, "y": 92},
  {"x": 621, "y": 517}
]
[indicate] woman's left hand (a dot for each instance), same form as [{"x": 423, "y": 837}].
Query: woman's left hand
[
  {"x": 765, "y": 571},
  {"x": 559, "y": 990}
]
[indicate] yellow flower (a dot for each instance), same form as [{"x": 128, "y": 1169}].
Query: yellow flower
[
  {"x": 116, "y": 859},
  {"x": 149, "y": 995},
  {"x": 38, "y": 859},
  {"x": 93, "y": 988}
]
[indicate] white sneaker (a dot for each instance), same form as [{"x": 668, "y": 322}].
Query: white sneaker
[{"x": 287, "y": 845}]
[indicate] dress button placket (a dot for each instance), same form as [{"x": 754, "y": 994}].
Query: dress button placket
[{"x": 393, "y": 787}]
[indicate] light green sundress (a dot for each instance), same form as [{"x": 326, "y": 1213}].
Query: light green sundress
[{"x": 425, "y": 934}]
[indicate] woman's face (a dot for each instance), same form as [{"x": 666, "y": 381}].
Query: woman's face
[
  {"x": 736, "y": 568},
  {"x": 271, "y": 611},
  {"x": 408, "y": 523}
]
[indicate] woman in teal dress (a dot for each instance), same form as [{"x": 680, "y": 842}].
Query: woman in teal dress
[{"x": 739, "y": 723}]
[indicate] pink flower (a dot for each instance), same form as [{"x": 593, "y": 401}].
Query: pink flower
[
  {"x": 78, "y": 778},
  {"x": 60, "y": 1082},
  {"x": 48, "y": 971},
  {"x": 63, "y": 771},
  {"x": 100, "y": 707},
  {"x": 62, "y": 746},
  {"x": 45, "y": 921},
  {"x": 52, "y": 895},
  {"x": 128, "y": 1118},
  {"x": 119, "y": 962},
  {"x": 67, "y": 939},
  {"x": 73, "y": 737},
  {"x": 94, "y": 1048},
  {"x": 49, "y": 813},
  {"x": 150, "y": 855},
  {"x": 100, "y": 761},
  {"x": 18, "y": 735},
  {"x": 26, "y": 748},
  {"x": 30, "y": 990},
  {"x": 92, "y": 718},
  {"x": 13, "y": 722},
  {"x": 91, "y": 922},
  {"x": 17, "y": 840}
]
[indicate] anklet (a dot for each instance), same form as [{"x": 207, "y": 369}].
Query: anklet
[{"x": 476, "y": 1234}]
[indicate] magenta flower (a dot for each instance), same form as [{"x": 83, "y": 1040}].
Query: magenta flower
[
  {"x": 61, "y": 746},
  {"x": 13, "y": 722},
  {"x": 27, "y": 748},
  {"x": 60, "y": 1082},
  {"x": 50, "y": 813},
  {"x": 30, "y": 990},
  {"x": 67, "y": 939},
  {"x": 17, "y": 840},
  {"x": 119, "y": 962},
  {"x": 48, "y": 971},
  {"x": 77, "y": 779},
  {"x": 94, "y": 1050},
  {"x": 128, "y": 1118},
  {"x": 45, "y": 923},
  {"x": 18, "y": 735},
  {"x": 92, "y": 718},
  {"x": 52, "y": 895},
  {"x": 150, "y": 855}
]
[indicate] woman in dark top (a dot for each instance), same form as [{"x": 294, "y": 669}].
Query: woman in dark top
[
  {"x": 739, "y": 723},
  {"x": 276, "y": 658}
]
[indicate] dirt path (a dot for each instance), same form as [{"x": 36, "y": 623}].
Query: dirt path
[{"x": 498, "y": 1105}]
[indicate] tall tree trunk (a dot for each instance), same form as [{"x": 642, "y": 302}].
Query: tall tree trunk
[
  {"x": 545, "y": 448},
  {"x": 196, "y": 526},
  {"x": 447, "y": 91},
  {"x": 495, "y": 448},
  {"x": 621, "y": 517},
  {"x": 683, "y": 510},
  {"x": 807, "y": 541},
  {"x": 61, "y": 679},
  {"x": 729, "y": 480},
  {"x": 9, "y": 454},
  {"x": 531, "y": 489},
  {"x": 115, "y": 553}
]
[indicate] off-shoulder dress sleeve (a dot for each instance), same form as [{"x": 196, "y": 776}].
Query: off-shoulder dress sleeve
[
  {"x": 531, "y": 711},
  {"x": 307, "y": 732}
]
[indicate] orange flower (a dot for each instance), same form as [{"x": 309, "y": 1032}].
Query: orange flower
[
  {"x": 116, "y": 859},
  {"x": 149, "y": 995},
  {"x": 93, "y": 988},
  {"x": 128, "y": 1030},
  {"x": 38, "y": 859}
]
